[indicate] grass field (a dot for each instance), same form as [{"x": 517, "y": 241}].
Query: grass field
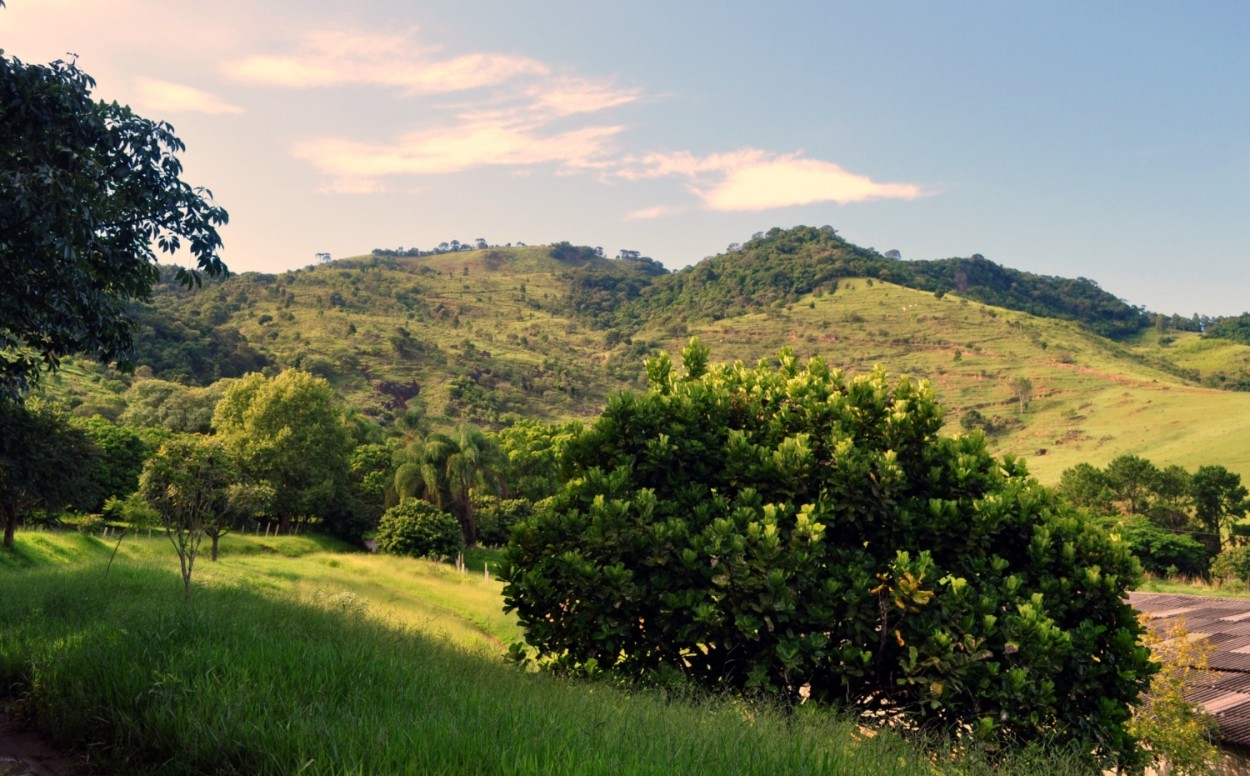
[
  {"x": 293, "y": 656},
  {"x": 1092, "y": 399}
]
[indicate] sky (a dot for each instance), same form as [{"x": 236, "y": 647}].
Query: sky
[{"x": 1107, "y": 140}]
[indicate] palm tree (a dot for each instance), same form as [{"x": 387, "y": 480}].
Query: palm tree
[
  {"x": 445, "y": 470},
  {"x": 421, "y": 472},
  {"x": 477, "y": 463}
]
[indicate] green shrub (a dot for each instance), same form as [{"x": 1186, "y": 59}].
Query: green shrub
[
  {"x": 1232, "y": 564},
  {"x": 418, "y": 529},
  {"x": 497, "y": 516},
  {"x": 1161, "y": 551},
  {"x": 791, "y": 532}
]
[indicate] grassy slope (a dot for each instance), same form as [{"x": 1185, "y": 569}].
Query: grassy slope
[
  {"x": 443, "y": 309},
  {"x": 248, "y": 677},
  {"x": 1092, "y": 399}
]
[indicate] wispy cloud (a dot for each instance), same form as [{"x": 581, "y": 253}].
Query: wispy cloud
[
  {"x": 658, "y": 211},
  {"x": 752, "y": 179},
  {"x": 519, "y": 113},
  {"x": 351, "y": 185},
  {"x": 344, "y": 57},
  {"x": 179, "y": 98},
  {"x": 570, "y": 96},
  {"x": 456, "y": 148}
]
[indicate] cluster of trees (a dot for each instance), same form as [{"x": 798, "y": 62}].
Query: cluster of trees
[
  {"x": 453, "y": 246},
  {"x": 781, "y": 265},
  {"x": 1233, "y": 327},
  {"x": 1176, "y": 521}
]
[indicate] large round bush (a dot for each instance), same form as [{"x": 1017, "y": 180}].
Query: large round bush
[
  {"x": 787, "y": 530},
  {"x": 419, "y": 529}
]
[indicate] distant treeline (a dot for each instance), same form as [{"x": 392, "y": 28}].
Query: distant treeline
[{"x": 782, "y": 265}]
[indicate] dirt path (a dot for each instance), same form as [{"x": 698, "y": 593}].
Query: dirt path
[{"x": 24, "y": 753}]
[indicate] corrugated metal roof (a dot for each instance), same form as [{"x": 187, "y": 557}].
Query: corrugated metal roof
[{"x": 1223, "y": 690}]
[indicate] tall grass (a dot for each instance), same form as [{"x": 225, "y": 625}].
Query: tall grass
[
  {"x": 280, "y": 663},
  {"x": 237, "y": 682}
]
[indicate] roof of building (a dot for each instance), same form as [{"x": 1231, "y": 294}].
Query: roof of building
[{"x": 1223, "y": 689}]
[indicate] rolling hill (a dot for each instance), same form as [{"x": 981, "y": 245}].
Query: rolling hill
[{"x": 549, "y": 332}]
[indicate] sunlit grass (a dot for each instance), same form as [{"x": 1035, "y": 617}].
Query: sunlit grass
[
  {"x": 1092, "y": 399},
  {"x": 289, "y": 658}
]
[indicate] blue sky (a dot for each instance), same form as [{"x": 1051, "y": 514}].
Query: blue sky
[{"x": 1107, "y": 140}]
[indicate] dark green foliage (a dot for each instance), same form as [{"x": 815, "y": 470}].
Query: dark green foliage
[
  {"x": 1160, "y": 551},
  {"x": 87, "y": 189},
  {"x": 180, "y": 344},
  {"x": 497, "y": 516},
  {"x": 1184, "y": 509},
  {"x": 1235, "y": 328},
  {"x": 123, "y": 451},
  {"x": 45, "y": 464},
  {"x": 419, "y": 529},
  {"x": 779, "y": 529},
  {"x": 572, "y": 254},
  {"x": 1219, "y": 499},
  {"x": 785, "y": 264},
  {"x": 1233, "y": 563},
  {"x": 975, "y": 420},
  {"x": 1085, "y": 485}
]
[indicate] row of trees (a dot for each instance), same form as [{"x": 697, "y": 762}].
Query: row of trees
[{"x": 1175, "y": 520}]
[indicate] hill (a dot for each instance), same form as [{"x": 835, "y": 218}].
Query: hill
[{"x": 549, "y": 332}]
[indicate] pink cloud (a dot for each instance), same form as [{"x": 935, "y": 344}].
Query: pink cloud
[{"x": 180, "y": 98}]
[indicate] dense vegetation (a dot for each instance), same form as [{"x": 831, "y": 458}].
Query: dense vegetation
[
  {"x": 89, "y": 191},
  {"x": 793, "y": 532},
  {"x": 780, "y": 266},
  {"x": 1174, "y": 520}
]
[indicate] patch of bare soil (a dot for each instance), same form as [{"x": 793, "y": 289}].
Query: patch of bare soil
[{"x": 24, "y": 753}]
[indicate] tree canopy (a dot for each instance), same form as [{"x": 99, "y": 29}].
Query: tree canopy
[
  {"x": 87, "y": 189},
  {"x": 789, "y": 530},
  {"x": 288, "y": 432},
  {"x": 188, "y": 483},
  {"x": 45, "y": 463}
]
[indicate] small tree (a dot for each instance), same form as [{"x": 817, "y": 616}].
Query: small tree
[
  {"x": 1232, "y": 564},
  {"x": 1022, "y": 391},
  {"x": 419, "y": 529},
  {"x": 187, "y": 482},
  {"x": 1177, "y": 734}
]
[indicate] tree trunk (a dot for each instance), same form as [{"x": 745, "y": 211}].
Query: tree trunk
[
  {"x": 470, "y": 522},
  {"x": 9, "y": 513},
  {"x": 213, "y": 556}
]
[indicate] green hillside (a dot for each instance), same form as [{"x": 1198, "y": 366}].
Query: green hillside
[{"x": 549, "y": 332}]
